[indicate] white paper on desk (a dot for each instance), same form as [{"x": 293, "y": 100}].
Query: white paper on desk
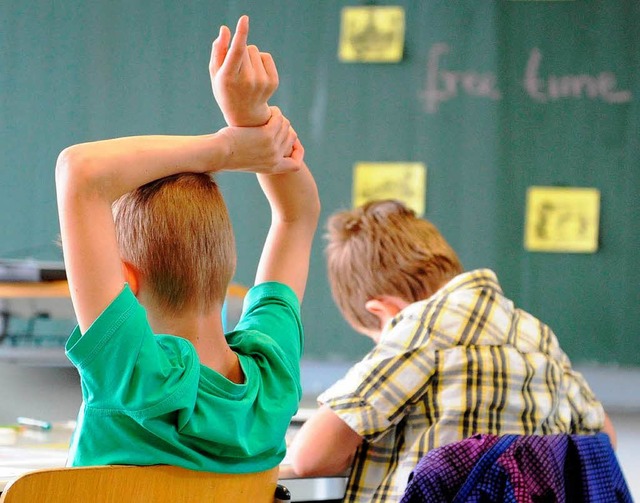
[
  {"x": 32, "y": 459},
  {"x": 12, "y": 472},
  {"x": 303, "y": 414}
]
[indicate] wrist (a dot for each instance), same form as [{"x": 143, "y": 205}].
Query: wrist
[
  {"x": 258, "y": 116},
  {"x": 220, "y": 148}
]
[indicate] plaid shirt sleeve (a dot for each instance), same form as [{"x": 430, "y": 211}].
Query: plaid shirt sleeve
[{"x": 587, "y": 413}]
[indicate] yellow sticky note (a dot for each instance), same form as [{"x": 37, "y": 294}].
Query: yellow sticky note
[
  {"x": 404, "y": 181},
  {"x": 372, "y": 34},
  {"x": 562, "y": 219}
]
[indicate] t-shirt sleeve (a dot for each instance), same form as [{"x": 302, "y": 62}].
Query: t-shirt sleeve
[
  {"x": 272, "y": 310},
  {"x": 377, "y": 391},
  {"x": 124, "y": 366}
]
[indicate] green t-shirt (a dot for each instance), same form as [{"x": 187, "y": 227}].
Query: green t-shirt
[{"x": 148, "y": 400}]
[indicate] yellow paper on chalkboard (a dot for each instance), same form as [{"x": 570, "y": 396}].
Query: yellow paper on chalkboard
[
  {"x": 372, "y": 34},
  {"x": 404, "y": 181},
  {"x": 562, "y": 219}
]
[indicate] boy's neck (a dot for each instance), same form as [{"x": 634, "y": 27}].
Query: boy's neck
[{"x": 205, "y": 332}]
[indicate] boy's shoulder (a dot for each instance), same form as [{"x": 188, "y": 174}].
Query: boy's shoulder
[
  {"x": 444, "y": 318},
  {"x": 273, "y": 310}
]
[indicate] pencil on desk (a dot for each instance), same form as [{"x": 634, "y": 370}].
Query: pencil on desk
[{"x": 34, "y": 423}]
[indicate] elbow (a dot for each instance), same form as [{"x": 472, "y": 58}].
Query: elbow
[
  {"x": 302, "y": 466},
  {"x": 308, "y": 464},
  {"x": 69, "y": 160},
  {"x": 306, "y": 470},
  {"x": 66, "y": 159},
  {"x": 72, "y": 169}
]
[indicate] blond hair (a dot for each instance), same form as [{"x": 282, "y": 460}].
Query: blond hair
[
  {"x": 383, "y": 248},
  {"x": 176, "y": 231}
]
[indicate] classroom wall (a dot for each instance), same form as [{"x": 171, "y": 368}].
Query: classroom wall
[{"x": 74, "y": 71}]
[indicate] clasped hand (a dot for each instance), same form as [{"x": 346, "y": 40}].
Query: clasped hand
[{"x": 269, "y": 149}]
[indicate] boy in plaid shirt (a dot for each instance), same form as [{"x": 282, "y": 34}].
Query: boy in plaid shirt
[{"x": 453, "y": 357}]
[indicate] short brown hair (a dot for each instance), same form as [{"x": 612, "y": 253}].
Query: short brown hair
[
  {"x": 176, "y": 231},
  {"x": 383, "y": 248}
]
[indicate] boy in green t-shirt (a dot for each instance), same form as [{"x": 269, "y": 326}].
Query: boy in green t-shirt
[{"x": 149, "y": 250}]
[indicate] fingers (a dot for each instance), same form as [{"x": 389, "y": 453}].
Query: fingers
[
  {"x": 292, "y": 138},
  {"x": 269, "y": 67},
  {"x": 293, "y": 161},
  {"x": 276, "y": 115},
  {"x": 285, "y": 136},
  {"x": 297, "y": 154},
  {"x": 280, "y": 125},
  {"x": 219, "y": 49},
  {"x": 288, "y": 165},
  {"x": 265, "y": 74},
  {"x": 287, "y": 139},
  {"x": 238, "y": 47},
  {"x": 256, "y": 62}
]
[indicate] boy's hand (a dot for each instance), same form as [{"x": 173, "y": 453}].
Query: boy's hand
[
  {"x": 242, "y": 78},
  {"x": 269, "y": 149}
]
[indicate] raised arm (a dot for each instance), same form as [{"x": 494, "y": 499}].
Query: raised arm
[
  {"x": 243, "y": 79},
  {"x": 91, "y": 176},
  {"x": 295, "y": 208}
]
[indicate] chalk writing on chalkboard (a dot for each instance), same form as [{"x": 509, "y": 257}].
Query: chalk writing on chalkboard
[
  {"x": 443, "y": 84},
  {"x": 555, "y": 87}
]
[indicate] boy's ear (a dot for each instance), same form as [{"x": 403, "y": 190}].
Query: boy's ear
[
  {"x": 131, "y": 276},
  {"x": 385, "y": 307}
]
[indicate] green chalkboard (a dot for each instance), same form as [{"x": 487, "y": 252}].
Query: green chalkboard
[{"x": 492, "y": 96}]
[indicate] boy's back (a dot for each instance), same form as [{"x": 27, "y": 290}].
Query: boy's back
[
  {"x": 461, "y": 362},
  {"x": 149, "y": 400}
]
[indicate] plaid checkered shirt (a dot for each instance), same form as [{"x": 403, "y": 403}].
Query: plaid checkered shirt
[{"x": 461, "y": 362}]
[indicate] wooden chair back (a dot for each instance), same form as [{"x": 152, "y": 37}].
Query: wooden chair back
[{"x": 129, "y": 484}]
